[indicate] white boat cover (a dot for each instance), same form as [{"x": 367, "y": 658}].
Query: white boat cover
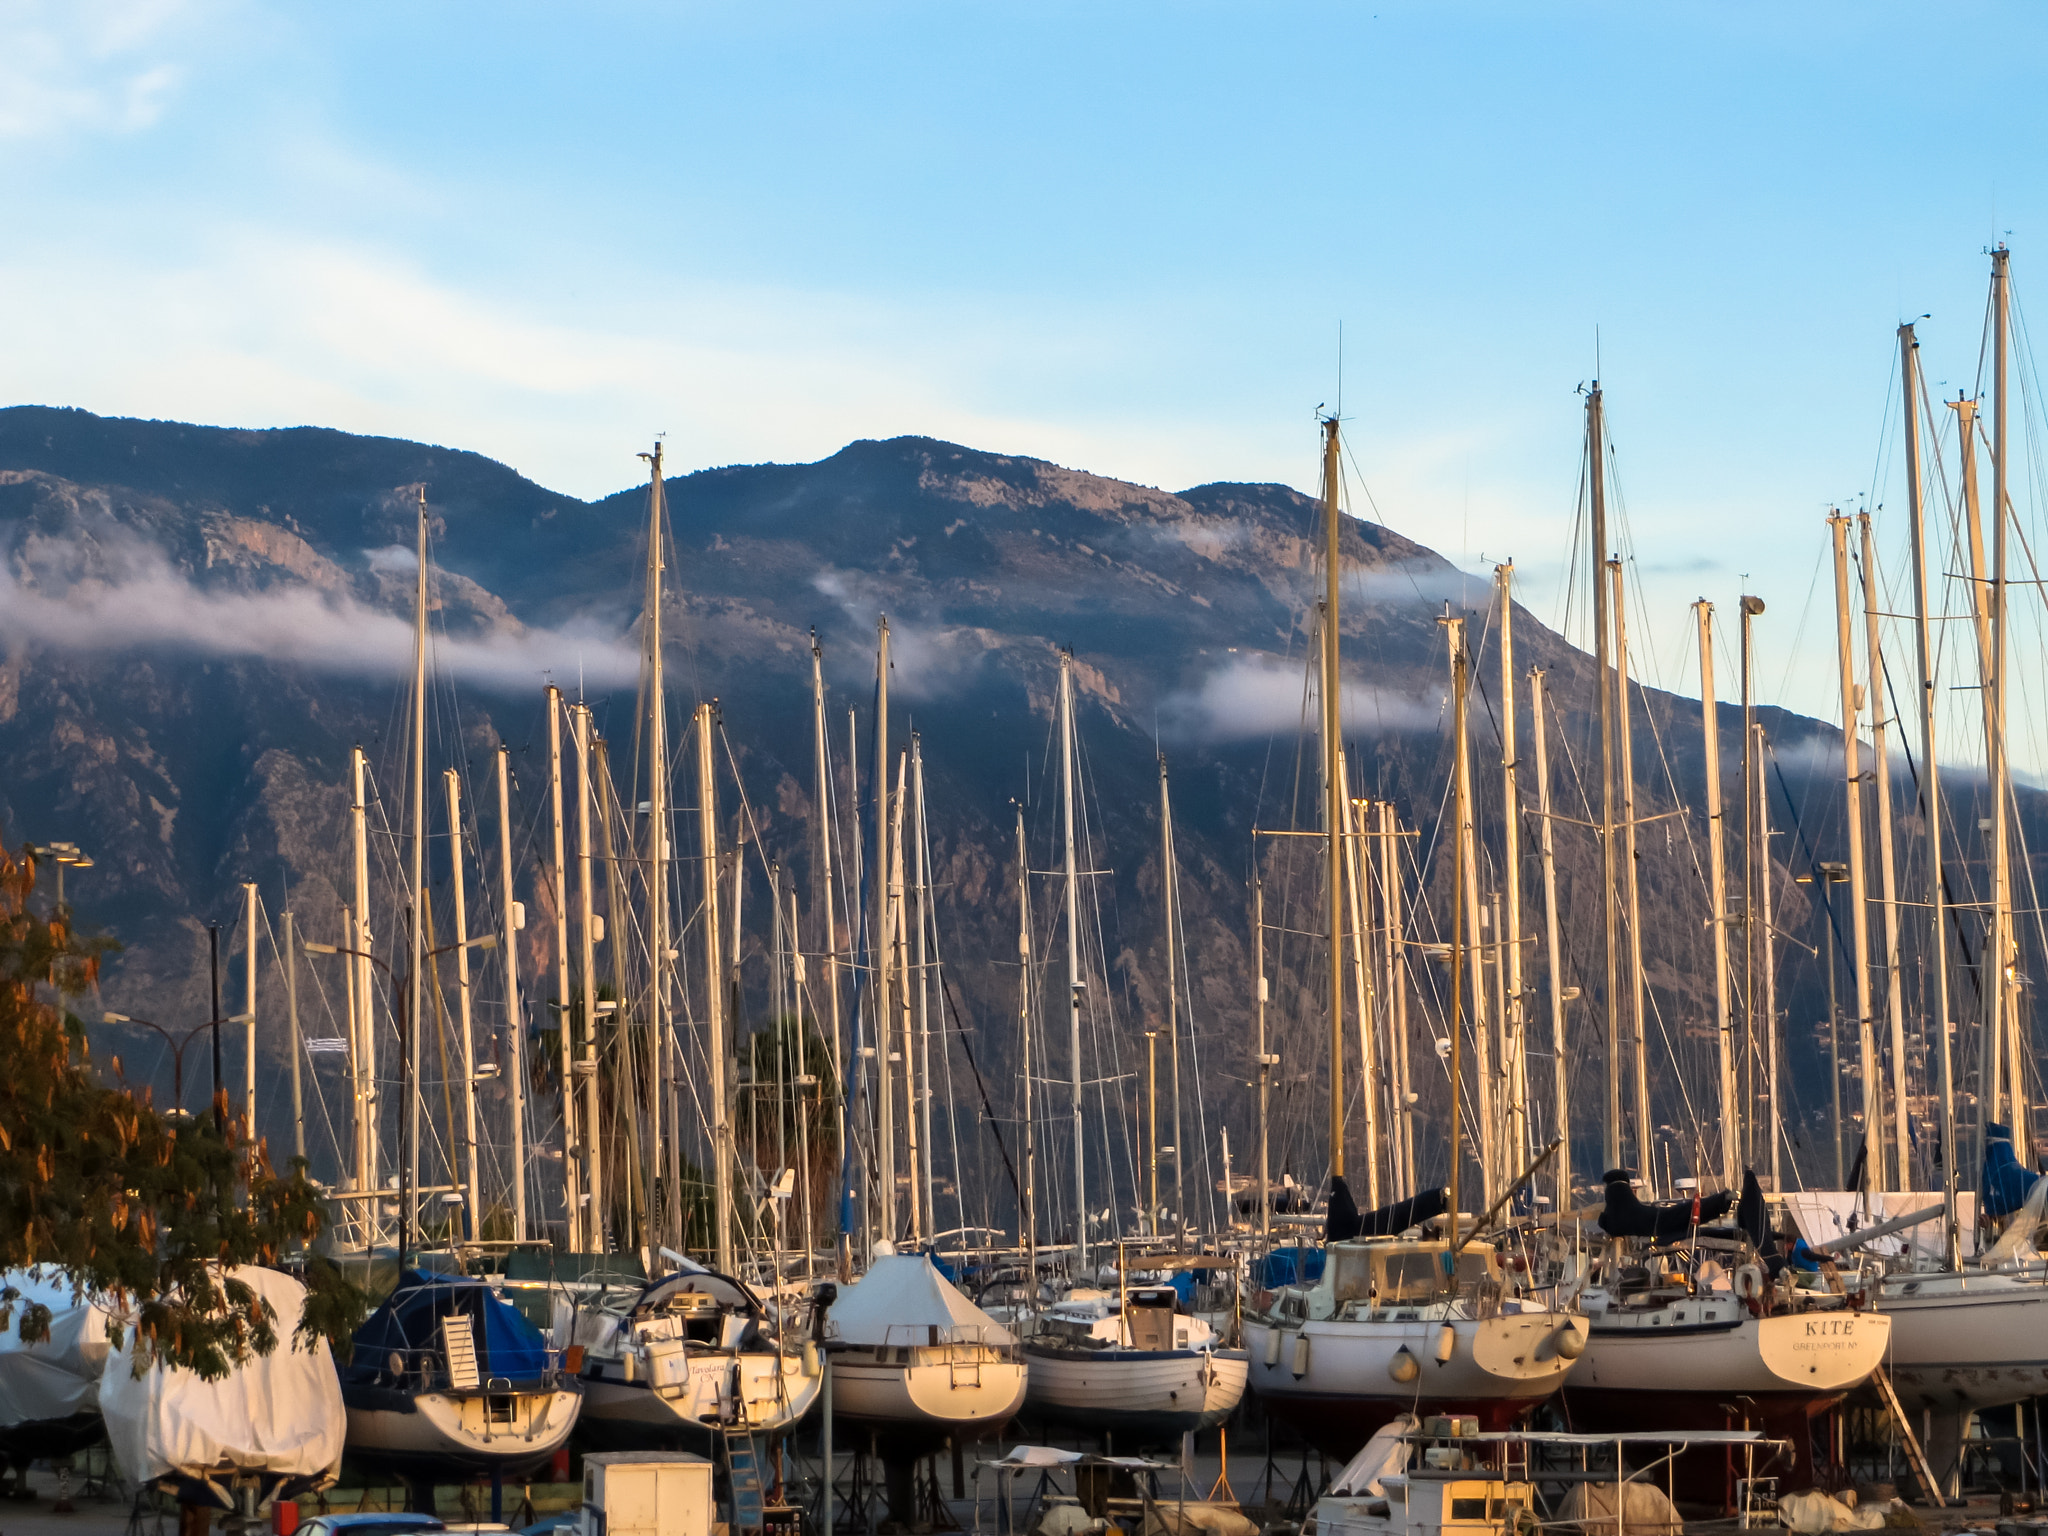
[
  {"x": 899, "y": 1300},
  {"x": 277, "y": 1413},
  {"x": 56, "y": 1377},
  {"x": 1384, "y": 1454},
  {"x": 1822, "y": 1215}
]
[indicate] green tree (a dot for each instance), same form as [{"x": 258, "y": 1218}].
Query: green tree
[{"x": 143, "y": 1215}]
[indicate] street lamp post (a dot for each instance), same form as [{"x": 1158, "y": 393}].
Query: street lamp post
[
  {"x": 177, "y": 1044},
  {"x": 66, "y": 855},
  {"x": 409, "y": 1104}
]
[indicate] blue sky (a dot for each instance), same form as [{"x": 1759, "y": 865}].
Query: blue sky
[{"x": 1119, "y": 237}]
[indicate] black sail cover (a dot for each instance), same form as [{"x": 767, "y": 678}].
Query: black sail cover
[
  {"x": 1626, "y": 1215},
  {"x": 1345, "y": 1220}
]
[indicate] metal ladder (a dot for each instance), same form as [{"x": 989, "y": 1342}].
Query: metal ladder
[{"x": 744, "y": 1489}]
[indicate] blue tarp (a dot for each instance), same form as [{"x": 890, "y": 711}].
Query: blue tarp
[
  {"x": 1278, "y": 1267},
  {"x": 508, "y": 1345},
  {"x": 2006, "y": 1182}
]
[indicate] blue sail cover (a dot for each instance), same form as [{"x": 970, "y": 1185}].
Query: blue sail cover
[
  {"x": 2006, "y": 1182},
  {"x": 508, "y": 1346}
]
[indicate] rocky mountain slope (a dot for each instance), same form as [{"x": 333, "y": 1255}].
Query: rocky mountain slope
[{"x": 199, "y": 623}]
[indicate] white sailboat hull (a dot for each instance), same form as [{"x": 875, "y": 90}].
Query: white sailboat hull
[
  {"x": 1807, "y": 1360},
  {"x": 691, "y": 1399},
  {"x": 1499, "y": 1368},
  {"x": 1964, "y": 1342},
  {"x": 1147, "y": 1393},
  {"x": 964, "y": 1391},
  {"x": 447, "y": 1433}
]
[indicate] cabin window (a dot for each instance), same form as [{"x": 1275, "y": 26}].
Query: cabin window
[{"x": 1468, "y": 1509}]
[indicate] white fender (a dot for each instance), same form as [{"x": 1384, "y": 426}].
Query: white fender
[
  {"x": 1404, "y": 1367},
  {"x": 1300, "y": 1366},
  {"x": 1446, "y": 1343}
]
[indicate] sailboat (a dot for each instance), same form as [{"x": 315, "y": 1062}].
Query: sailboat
[
  {"x": 447, "y": 1381},
  {"x": 692, "y": 1354},
  {"x": 914, "y": 1362},
  {"x": 1669, "y": 1344},
  {"x": 50, "y": 1387},
  {"x": 1133, "y": 1364},
  {"x": 1399, "y": 1321}
]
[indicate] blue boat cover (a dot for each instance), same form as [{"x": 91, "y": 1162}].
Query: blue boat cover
[
  {"x": 2006, "y": 1181},
  {"x": 410, "y": 1319},
  {"x": 1278, "y": 1268}
]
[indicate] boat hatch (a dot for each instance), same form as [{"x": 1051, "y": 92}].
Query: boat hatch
[{"x": 1150, "y": 1317}]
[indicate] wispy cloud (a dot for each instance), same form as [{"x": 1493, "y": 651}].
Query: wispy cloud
[
  {"x": 86, "y": 65},
  {"x": 140, "y": 602},
  {"x": 1255, "y": 695}
]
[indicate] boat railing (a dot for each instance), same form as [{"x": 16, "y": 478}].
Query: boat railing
[
  {"x": 427, "y": 1370},
  {"x": 988, "y": 1343}
]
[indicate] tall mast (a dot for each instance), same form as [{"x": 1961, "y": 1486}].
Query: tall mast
[
  {"x": 565, "y": 1014},
  {"x": 452, "y": 783},
  {"x": 1887, "y": 865},
  {"x": 1859, "y": 893},
  {"x": 823, "y": 775},
  {"x": 1027, "y": 1219},
  {"x": 1473, "y": 957},
  {"x": 1266, "y": 1060},
  {"x": 1639, "y": 1044},
  {"x": 882, "y": 1209},
  {"x": 1596, "y": 479},
  {"x": 417, "y": 925},
  {"x": 1993, "y": 1074},
  {"x": 1930, "y": 782},
  {"x": 362, "y": 1018},
  {"x": 1553, "y": 953},
  {"x": 512, "y": 915},
  {"x": 1717, "y": 923},
  {"x": 1767, "y": 952},
  {"x": 592, "y": 1171},
  {"x": 1073, "y": 953},
  {"x": 2005, "y": 953},
  {"x": 714, "y": 995},
  {"x": 1361, "y": 988},
  {"x": 919, "y": 960},
  {"x": 1397, "y": 993},
  {"x": 249, "y": 957},
  {"x": 906, "y": 1048},
  {"x": 658, "y": 836},
  {"x": 1515, "y": 1019},
  {"x": 1333, "y": 791},
  {"x": 1755, "y": 931},
  {"x": 291, "y": 1005},
  {"x": 1461, "y": 778},
  {"x": 1169, "y": 874}
]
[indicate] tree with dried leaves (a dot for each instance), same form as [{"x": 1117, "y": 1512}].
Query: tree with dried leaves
[{"x": 141, "y": 1214}]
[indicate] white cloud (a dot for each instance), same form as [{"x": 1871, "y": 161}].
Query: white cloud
[
  {"x": 140, "y": 602},
  {"x": 1256, "y": 695},
  {"x": 98, "y": 66}
]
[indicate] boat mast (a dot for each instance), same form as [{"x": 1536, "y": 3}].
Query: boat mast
[
  {"x": 1455, "y": 633},
  {"x": 417, "y": 935},
  {"x": 1553, "y": 952},
  {"x": 513, "y": 917},
  {"x": 362, "y": 1016},
  {"x": 1859, "y": 892},
  {"x": 1717, "y": 874},
  {"x": 1602, "y": 632},
  {"x": 2006, "y": 955},
  {"x": 1333, "y": 792},
  {"x": 1992, "y": 1076},
  {"x": 883, "y": 1206},
  {"x": 1887, "y": 865},
  {"x": 714, "y": 995},
  {"x": 1930, "y": 784},
  {"x": 906, "y": 1047},
  {"x": 1466, "y": 895},
  {"x": 1646, "y": 1151},
  {"x": 919, "y": 834},
  {"x": 1169, "y": 874},
  {"x": 658, "y": 834},
  {"x": 1361, "y": 986},
  {"x": 1397, "y": 992},
  {"x": 1767, "y": 949},
  {"x": 823, "y": 776},
  {"x": 1754, "y": 931},
  {"x": 586, "y": 928},
  {"x": 1266, "y": 1062},
  {"x": 452, "y": 782},
  {"x": 565, "y": 1016},
  {"x": 291, "y": 1003},
  {"x": 1515, "y": 1018},
  {"x": 1073, "y": 953},
  {"x": 249, "y": 957},
  {"x": 1027, "y": 1223}
]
